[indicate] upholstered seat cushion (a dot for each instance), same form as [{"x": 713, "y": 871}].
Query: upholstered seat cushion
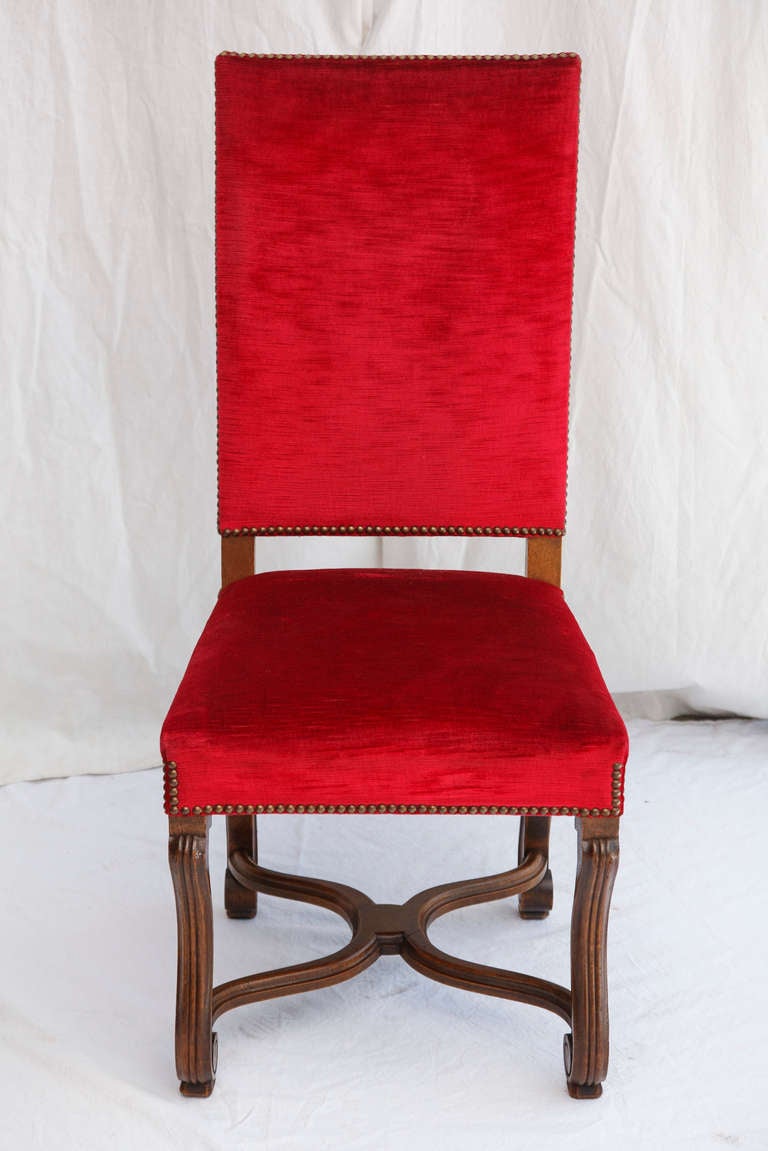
[{"x": 385, "y": 689}]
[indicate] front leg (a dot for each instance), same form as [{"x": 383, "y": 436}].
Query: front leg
[
  {"x": 195, "y": 1043},
  {"x": 586, "y": 1050}
]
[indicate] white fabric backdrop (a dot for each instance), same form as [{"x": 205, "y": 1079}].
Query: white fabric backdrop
[{"x": 107, "y": 348}]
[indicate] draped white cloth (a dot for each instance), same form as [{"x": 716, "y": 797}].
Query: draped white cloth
[{"x": 107, "y": 348}]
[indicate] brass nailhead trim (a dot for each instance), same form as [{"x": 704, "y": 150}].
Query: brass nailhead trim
[
  {"x": 404, "y": 530},
  {"x": 171, "y": 789},
  {"x": 299, "y": 56}
]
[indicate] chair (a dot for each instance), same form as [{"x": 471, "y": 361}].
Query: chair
[{"x": 394, "y": 280}]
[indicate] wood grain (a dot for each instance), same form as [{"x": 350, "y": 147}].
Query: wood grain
[
  {"x": 543, "y": 561},
  {"x": 534, "y": 836},
  {"x": 388, "y": 929},
  {"x": 543, "y": 558},
  {"x": 237, "y": 558},
  {"x": 237, "y": 562},
  {"x": 586, "y": 1050},
  {"x": 195, "y": 1043},
  {"x": 239, "y": 901}
]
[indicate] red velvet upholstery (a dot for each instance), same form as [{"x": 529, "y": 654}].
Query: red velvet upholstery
[
  {"x": 394, "y": 261},
  {"x": 382, "y": 687},
  {"x": 394, "y": 271}
]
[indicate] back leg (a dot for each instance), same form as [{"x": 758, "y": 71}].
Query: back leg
[
  {"x": 239, "y": 901},
  {"x": 534, "y": 836}
]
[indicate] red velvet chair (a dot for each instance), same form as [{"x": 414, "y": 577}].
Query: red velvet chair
[{"x": 394, "y": 280}]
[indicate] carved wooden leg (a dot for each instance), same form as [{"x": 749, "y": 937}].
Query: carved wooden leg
[
  {"x": 534, "y": 836},
  {"x": 195, "y": 1044},
  {"x": 586, "y": 1049},
  {"x": 241, "y": 836}
]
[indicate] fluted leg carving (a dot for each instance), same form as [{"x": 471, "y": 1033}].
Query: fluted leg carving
[
  {"x": 239, "y": 901},
  {"x": 586, "y": 1049},
  {"x": 534, "y": 836},
  {"x": 195, "y": 1043}
]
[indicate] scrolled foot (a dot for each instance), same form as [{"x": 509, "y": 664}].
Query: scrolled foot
[
  {"x": 196, "y": 1090},
  {"x": 203, "y": 1089},
  {"x": 585, "y": 1090},
  {"x": 577, "y": 1090}
]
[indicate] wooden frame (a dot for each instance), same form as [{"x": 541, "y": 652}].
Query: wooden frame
[
  {"x": 390, "y": 929},
  {"x": 387, "y": 929}
]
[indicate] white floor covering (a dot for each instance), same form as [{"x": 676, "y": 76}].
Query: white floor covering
[{"x": 390, "y": 1059}]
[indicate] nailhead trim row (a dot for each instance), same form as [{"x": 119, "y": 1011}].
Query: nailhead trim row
[
  {"x": 312, "y": 56},
  {"x": 368, "y": 530},
  {"x": 172, "y": 793}
]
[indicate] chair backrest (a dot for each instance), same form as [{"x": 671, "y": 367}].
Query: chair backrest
[{"x": 394, "y": 282}]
